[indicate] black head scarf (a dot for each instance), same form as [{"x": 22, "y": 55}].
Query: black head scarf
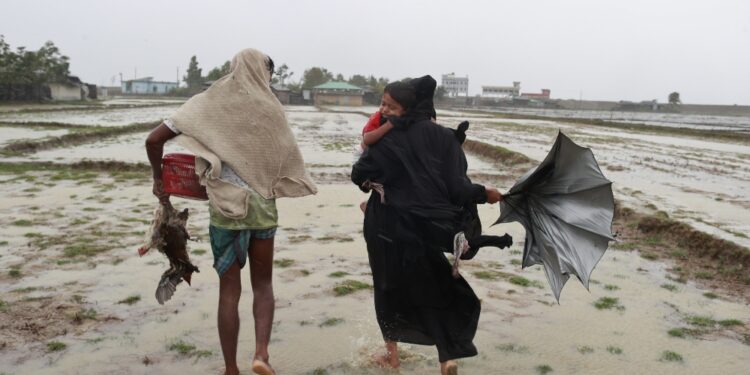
[
  {"x": 424, "y": 88},
  {"x": 422, "y": 107}
]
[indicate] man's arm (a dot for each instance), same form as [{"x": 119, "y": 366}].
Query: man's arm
[{"x": 155, "y": 150}]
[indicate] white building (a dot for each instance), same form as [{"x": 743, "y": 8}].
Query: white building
[
  {"x": 70, "y": 89},
  {"x": 455, "y": 86},
  {"x": 503, "y": 92},
  {"x": 147, "y": 85}
]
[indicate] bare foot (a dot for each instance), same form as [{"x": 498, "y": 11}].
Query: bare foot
[
  {"x": 386, "y": 360},
  {"x": 449, "y": 368},
  {"x": 262, "y": 368}
]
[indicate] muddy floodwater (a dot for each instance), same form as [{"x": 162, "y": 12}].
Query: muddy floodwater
[{"x": 75, "y": 298}]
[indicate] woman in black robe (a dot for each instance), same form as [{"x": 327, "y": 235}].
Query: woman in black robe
[{"x": 409, "y": 225}]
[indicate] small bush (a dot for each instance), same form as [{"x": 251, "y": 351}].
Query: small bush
[
  {"x": 56, "y": 346},
  {"x": 608, "y": 303},
  {"x": 349, "y": 286},
  {"x": 614, "y": 350},
  {"x": 670, "y": 356}
]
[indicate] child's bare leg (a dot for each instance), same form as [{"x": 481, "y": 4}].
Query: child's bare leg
[{"x": 363, "y": 206}]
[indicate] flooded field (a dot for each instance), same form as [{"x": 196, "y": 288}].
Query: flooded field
[
  {"x": 736, "y": 123},
  {"x": 93, "y": 116},
  {"x": 75, "y": 298}
]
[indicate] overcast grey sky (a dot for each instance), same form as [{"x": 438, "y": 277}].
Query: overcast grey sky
[{"x": 594, "y": 49}]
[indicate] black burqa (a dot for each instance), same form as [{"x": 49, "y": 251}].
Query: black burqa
[{"x": 423, "y": 172}]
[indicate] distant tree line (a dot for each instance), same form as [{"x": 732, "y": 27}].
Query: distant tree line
[
  {"x": 311, "y": 77},
  {"x": 23, "y": 66}
]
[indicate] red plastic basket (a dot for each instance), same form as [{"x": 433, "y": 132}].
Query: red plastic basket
[{"x": 179, "y": 178}]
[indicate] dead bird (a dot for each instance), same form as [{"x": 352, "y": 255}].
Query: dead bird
[{"x": 169, "y": 236}]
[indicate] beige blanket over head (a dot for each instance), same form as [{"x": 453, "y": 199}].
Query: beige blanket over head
[{"x": 239, "y": 121}]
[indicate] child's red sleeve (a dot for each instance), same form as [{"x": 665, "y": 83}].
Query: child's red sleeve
[{"x": 373, "y": 123}]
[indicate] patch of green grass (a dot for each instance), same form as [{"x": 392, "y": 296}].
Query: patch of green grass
[
  {"x": 338, "y": 274},
  {"x": 55, "y": 346},
  {"x": 492, "y": 275},
  {"x": 684, "y": 332},
  {"x": 585, "y": 349},
  {"x": 608, "y": 303},
  {"x": 669, "y": 287},
  {"x": 680, "y": 254},
  {"x": 710, "y": 295},
  {"x": 131, "y": 300},
  {"x": 649, "y": 255},
  {"x": 670, "y": 356},
  {"x": 82, "y": 315},
  {"x": 700, "y": 321},
  {"x": 614, "y": 350},
  {"x": 15, "y": 273},
  {"x": 95, "y": 341},
  {"x": 611, "y": 287},
  {"x": 85, "y": 249},
  {"x": 300, "y": 238},
  {"x": 626, "y": 246},
  {"x": 349, "y": 286},
  {"x": 199, "y": 251},
  {"x": 181, "y": 347},
  {"x": 3, "y": 243},
  {"x": 22, "y": 223},
  {"x": 730, "y": 323},
  {"x": 4, "y": 306},
  {"x": 512, "y": 348},
  {"x": 330, "y": 322},
  {"x": 38, "y": 298},
  {"x": 520, "y": 280},
  {"x": 543, "y": 369},
  {"x": 80, "y": 221},
  {"x": 515, "y": 262},
  {"x": 653, "y": 241},
  {"x": 516, "y": 252},
  {"x": 704, "y": 275},
  {"x": 284, "y": 262},
  {"x": 198, "y": 354},
  {"x": 28, "y": 289}
]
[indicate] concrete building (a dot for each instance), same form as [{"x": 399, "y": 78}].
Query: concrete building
[
  {"x": 64, "y": 91},
  {"x": 502, "y": 92},
  {"x": 455, "y": 86},
  {"x": 544, "y": 95},
  {"x": 71, "y": 89},
  {"x": 337, "y": 93},
  {"x": 147, "y": 86},
  {"x": 282, "y": 93}
]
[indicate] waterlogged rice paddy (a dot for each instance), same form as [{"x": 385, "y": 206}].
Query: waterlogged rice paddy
[{"x": 76, "y": 298}]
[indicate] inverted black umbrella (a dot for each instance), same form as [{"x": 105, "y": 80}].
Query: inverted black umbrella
[{"x": 567, "y": 207}]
